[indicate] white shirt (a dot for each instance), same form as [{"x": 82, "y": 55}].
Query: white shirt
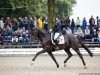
[
  {"x": 87, "y": 31},
  {"x": 1, "y": 24}
]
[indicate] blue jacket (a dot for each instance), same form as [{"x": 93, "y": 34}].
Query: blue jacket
[{"x": 84, "y": 22}]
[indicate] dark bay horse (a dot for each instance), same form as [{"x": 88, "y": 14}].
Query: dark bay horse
[{"x": 70, "y": 42}]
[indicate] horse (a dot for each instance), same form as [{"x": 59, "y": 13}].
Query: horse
[{"x": 71, "y": 41}]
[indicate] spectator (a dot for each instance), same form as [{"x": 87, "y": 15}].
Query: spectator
[
  {"x": 78, "y": 22},
  {"x": 69, "y": 31},
  {"x": 97, "y": 27},
  {"x": 46, "y": 24},
  {"x": 40, "y": 23},
  {"x": 20, "y": 39},
  {"x": 15, "y": 24},
  {"x": 98, "y": 38},
  {"x": 9, "y": 34},
  {"x": 8, "y": 23},
  {"x": 21, "y": 22},
  {"x": 63, "y": 24},
  {"x": 87, "y": 33},
  {"x": 35, "y": 22},
  {"x": 30, "y": 23},
  {"x": 18, "y": 32},
  {"x": 15, "y": 38},
  {"x": 1, "y": 23},
  {"x": 93, "y": 34},
  {"x": 67, "y": 22},
  {"x": 26, "y": 23},
  {"x": 1, "y": 39},
  {"x": 72, "y": 25},
  {"x": 97, "y": 20},
  {"x": 84, "y": 23},
  {"x": 80, "y": 33},
  {"x": 24, "y": 36},
  {"x": 92, "y": 22},
  {"x": 27, "y": 37}
]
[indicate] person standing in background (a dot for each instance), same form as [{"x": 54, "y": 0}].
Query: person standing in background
[
  {"x": 72, "y": 25},
  {"x": 91, "y": 22},
  {"x": 31, "y": 23},
  {"x": 84, "y": 23},
  {"x": 8, "y": 23},
  {"x": 26, "y": 23},
  {"x": 78, "y": 22},
  {"x": 35, "y": 22},
  {"x": 40, "y": 23},
  {"x": 45, "y": 24},
  {"x": 1, "y": 23},
  {"x": 67, "y": 22},
  {"x": 97, "y": 20}
]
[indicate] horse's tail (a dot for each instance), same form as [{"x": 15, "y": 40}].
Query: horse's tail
[{"x": 84, "y": 46}]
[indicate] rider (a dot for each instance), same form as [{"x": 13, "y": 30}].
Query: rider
[{"x": 57, "y": 32}]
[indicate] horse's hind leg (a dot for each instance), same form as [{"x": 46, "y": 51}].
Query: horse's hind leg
[
  {"x": 80, "y": 55},
  {"x": 54, "y": 59},
  {"x": 69, "y": 55},
  {"x": 43, "y": 51}
]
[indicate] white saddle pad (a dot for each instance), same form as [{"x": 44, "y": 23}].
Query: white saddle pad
[{"x": 61, "y": 38}]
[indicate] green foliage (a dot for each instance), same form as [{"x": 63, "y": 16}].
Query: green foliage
[
  {"x": 64, "y": 7},
  {"x": 31, "y": 8}
]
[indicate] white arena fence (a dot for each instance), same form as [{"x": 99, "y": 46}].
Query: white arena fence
[{"x": 29, "y": 51}]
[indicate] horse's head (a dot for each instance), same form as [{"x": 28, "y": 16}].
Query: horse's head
[{"x": 36, "y": 32}]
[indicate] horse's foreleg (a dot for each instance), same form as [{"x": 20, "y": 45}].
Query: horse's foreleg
[
  {"x": 54, "y": 59},
  {"x": 43, "y": 51}
]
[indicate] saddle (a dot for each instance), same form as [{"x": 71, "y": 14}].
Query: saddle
[{"x": 59, "y": 37}]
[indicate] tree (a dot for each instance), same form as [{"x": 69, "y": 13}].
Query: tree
[
  {"x": 31, "y": 8},
  {"x": 64, "y": 7}
]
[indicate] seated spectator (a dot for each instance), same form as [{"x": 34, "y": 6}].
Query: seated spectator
[
  {"x": 15, "y": 39},
  {"x": 79, "y": 32},
  {"x": 24, "y": 36},
  {"x": 27, "y": 37},
  {"x": 1, "y": 39},
  {"x": 87, "y": 33},
  {"x": 69, "y": 31},
  {"x": 9, "y": 33},
  {"x": 20, "y": 39},
  {"x": 93, "y": 34}
]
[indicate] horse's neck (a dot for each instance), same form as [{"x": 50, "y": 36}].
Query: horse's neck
[{"x": 44, "y": 39}]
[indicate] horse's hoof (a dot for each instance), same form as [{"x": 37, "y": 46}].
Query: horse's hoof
[
  {"x": 33, "y": 59},
  {"x": 91, "y": 55},
  {"x": 57, "y": 66}
]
